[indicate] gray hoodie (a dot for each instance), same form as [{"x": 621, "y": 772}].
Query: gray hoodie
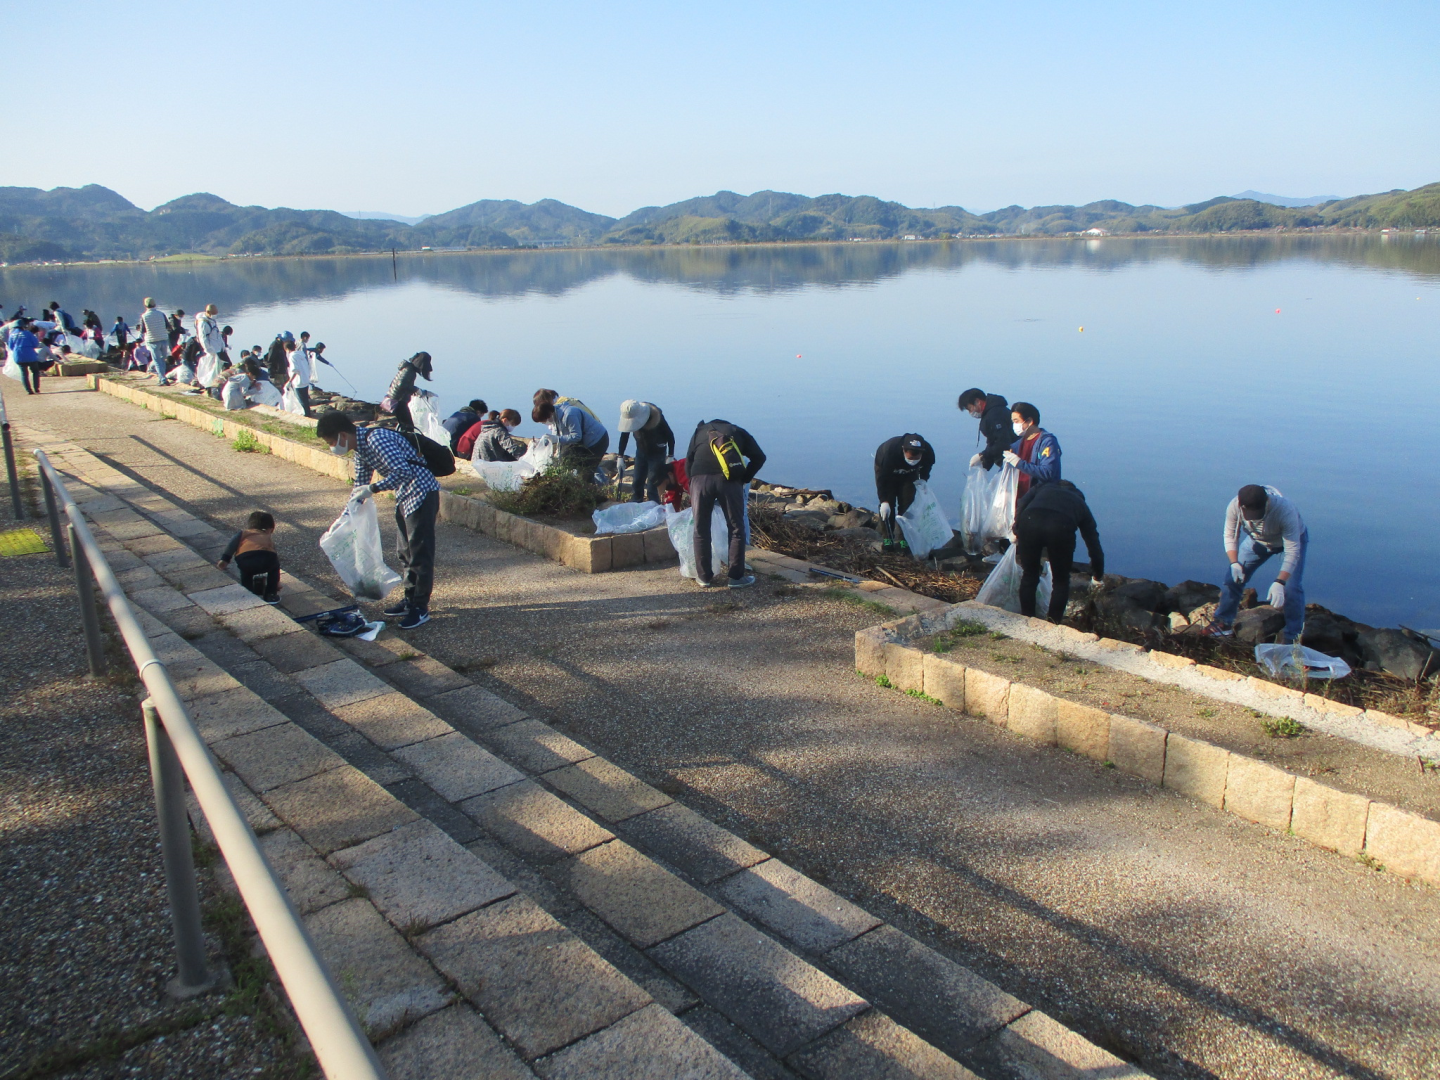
[{"x": 1281, "y": 524}]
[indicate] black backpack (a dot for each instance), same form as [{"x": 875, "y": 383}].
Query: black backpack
[{"x": 438, "y": 459}]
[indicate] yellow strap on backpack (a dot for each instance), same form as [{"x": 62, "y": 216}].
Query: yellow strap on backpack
[{"x": 727, "y": 453}]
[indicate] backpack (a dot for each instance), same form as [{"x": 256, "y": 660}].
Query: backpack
[
  {"x": 338, "y": 622},
  {"x": 726, "y": 452},
  {"x": 438, "y": 459}
]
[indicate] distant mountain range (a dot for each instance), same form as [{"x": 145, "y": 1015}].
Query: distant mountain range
[
  {"x": 1281, "y": 200},
  {"x": 381, "y": 215},
  {"x": 94, "y": 222}
]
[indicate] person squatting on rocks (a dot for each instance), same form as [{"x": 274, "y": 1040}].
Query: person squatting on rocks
[
  {"x": 417, "y": 502},
  {"x": 1035, "y": 452},
  {"x": 1271, "y": 526},
  {"x": 993, "y": 412},
  {"x": 402, "y": 388},
  {"x": 721, "y": 460},
  {"x": 253, "y": 550},
  {"x": 155, "y": 331},
  {"x": 462, "y": 420},
  {"x": 1046, "y": 519},
  {"x": 583, "y": 439},
  {"x": 899, "y": 462},
  {"x": 654, "y": 447}
]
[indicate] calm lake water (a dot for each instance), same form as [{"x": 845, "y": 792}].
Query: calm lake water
[{"x": 1306, "y": 363}]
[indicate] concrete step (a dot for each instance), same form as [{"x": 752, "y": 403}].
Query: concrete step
[{"x": 665, "y": 913}]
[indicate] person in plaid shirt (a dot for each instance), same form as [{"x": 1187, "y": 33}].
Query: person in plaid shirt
[{"x": 417, "y": 502}]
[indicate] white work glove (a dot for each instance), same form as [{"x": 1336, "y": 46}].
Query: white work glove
[
  {"x": 976, "y": 460},
  {"x": 361, "y": 493},
  {"x": 1237, "y": 572},
  {"x": 1277, "y": 595},
  {"x": 884, "y": 511},
  {"x": 1012, "y": 458}
]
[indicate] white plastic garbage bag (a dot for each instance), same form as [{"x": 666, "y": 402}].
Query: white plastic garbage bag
[
  {"x": 353, "y": 546},
  {"x": 208, "y": 371},
  {"x": 12, "y": 368},
  {"x": 264, "y": 393},
  {"x": 1000, "y": 517},
  {"x": 83, "y": 346},
  {"x": 508, "y": 475},
  {"x": 924, "y": 523},
  {"x": 682, "y": 538},
  {"x": 290, "y": 401},
  {"x": 1002, "y": 587},
  {"x": 628, "y": 518},
  {"x": 975, "y": 506},
  {"x": 1293, "y": 661},
  {"x": 426, "y": 414}
]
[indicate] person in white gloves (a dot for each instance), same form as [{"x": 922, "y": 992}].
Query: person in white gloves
[
  {"x": 212, "y": 341},
  {"x": 993, "y": 412},
  {"x": 899, "y": 463},
  {"x": 1259, "y": 523}
]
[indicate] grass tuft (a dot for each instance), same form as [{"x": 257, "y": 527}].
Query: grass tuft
[
  {"x": 246, "y": 443},
  {"x": 1282, "y": 727}
]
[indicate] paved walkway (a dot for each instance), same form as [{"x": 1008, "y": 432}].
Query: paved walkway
[{"x": 1191, "y": 942}]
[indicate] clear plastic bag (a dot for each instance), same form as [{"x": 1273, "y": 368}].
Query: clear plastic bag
[
  {"x": 1293, "y": 661},
  {"x": 353, "y": 546},
  {"x": 682, "y": 538},
  {"x": 975, "y": 507},
  {"x": 1002, "y": 587},
  {"x": 12, "y": 368},
  {"x": 1000, "y": 516},
  {"x": 209, "y": 370},
  {"x": 628, "y": 518},
  {"x": 924, "y": 523},
  {"x": 426, "y": 415},
  {"x": 290, "y": 401},
  {"x": 508, "y": 475}
]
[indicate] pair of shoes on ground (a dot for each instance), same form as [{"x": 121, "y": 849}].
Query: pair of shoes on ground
[
  {"x": 409, "y": 617},
  {"x": 731, "y": 583}
]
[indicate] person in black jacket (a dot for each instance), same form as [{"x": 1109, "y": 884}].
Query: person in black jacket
[
  {"x": 1046, "y": 520},
  {"x": 899, "y": 462},
  {"x": 722, "y": 459},
  {"x": 654, "y": 447},
  {"x": 993, "y": 412}
]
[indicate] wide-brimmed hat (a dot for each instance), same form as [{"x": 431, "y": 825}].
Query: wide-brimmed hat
[{"x": 633, "y": 415}]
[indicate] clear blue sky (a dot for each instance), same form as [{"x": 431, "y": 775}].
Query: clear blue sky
[{"x": 422, "y": 107}]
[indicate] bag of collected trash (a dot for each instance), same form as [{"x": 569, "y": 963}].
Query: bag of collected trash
[
  {"x": 208, "y": 371},
  {"x": 12, "y": 368},
  {"x": 290, "y": 401},
  {"x": 682, "y": 538},
  {"x": 426, "y": 415},
  {"x": 1002, "y": 587},
  {"x": 628, "y": 518},
  {"x": 975, "y": 506},
  {"x": 924, "y": 523},
  {"x": 1000, "y": 515},
  {"x": 186, "y": 375},
  {"x": 1294, "y": 661},
  {"x": 508, "y": 475},
  {"x": 353, "y": 546},
  {"x": 233, "y": 394},
  {"x": 82, "y": 346},
  {"x": 264, "y": 393}
]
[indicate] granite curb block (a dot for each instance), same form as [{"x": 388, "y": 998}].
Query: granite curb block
[{"x": 1405, "y": 843}]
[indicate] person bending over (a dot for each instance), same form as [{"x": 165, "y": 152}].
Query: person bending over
[
  {"x": 654, "y": 447},
  {"x": 1260, "y": 523},
  {"x": 994, "y": 415},
  {"x": 899, "y": 462},
  {"x": 1046, "y": 520},
  {"x": 721, "y": 460},
  {"x": 253, "y": 551}
]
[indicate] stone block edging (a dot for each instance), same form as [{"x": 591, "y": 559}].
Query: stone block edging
[{"x": 1404, "y": 843}]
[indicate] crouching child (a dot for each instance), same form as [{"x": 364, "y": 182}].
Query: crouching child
[{"x": 253, "y": 551}]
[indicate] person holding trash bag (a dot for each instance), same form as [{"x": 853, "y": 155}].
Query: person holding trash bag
[
  {"x": 1046, "y": 519},
  {"x": 1035, "y": 453},
  {"x": 721, "y": 460},
  {"x": 993, "y": 412},
  {"x": 417, "y": 502},
  {"x": 899, "y": 462},
  {"x": 493, "y": 441},
  {"x": 402, "y": 388},
  {"x": 1271, "y": 525},
  {"x": 654, "y": 447},
  {"x": 583, "y": 439}
]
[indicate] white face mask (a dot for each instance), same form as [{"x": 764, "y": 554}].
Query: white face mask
[
  {"x": 1019, "y": 428},
  {"x": 912, "y": 462},
  {"x": 338, "y": 450}
]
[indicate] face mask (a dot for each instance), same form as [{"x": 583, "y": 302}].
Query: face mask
[
  {"x": 912, "y": 462},
  {"x": 338, "y": 450},
  {"x": 1019, "y": 428}
]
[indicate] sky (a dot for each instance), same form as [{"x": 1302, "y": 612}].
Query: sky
[{"x": 423, "y": 107}]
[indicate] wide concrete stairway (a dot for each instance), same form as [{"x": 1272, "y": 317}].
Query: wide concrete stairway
[{"x": 496, "y": 900}]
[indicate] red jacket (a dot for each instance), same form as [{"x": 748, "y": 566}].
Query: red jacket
[
  {"x": 465, "y": 445},
  {"x": 673, "y": 496}
]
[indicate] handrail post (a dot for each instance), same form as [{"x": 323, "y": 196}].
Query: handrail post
[
  {"x": 89, "y": 614},
  {"x": 169, "y": 783},
  {"x": 10, "y": 472},
  {"x": 52, "y": 511}
]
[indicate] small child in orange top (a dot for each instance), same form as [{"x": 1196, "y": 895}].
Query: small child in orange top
[{"x": 253, "y": 549}]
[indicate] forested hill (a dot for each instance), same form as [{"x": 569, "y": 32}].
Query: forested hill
[{"x": 94, "y": 222}]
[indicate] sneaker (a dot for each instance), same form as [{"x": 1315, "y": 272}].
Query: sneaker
[
  {"x": 1217, "y": 629},
  {"x": 742, "y": 582},
  {"x": 413, "y": 618},
  {"x": 711, "y": 584},
  {"x": 271, "y": 598},
  {"x": 397, "y": 611}
]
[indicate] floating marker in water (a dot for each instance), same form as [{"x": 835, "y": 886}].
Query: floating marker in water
[
  {"x": 797, "y": 355},
  {"x": 1277, "y": 311},
  {"x": 1082, "y": 329}
]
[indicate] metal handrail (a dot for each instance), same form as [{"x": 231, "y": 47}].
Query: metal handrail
[{"x": 335, "y": 1035}]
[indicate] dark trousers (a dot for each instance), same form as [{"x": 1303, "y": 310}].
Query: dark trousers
[
  {"x": 706, "y": 490},
  {"x": 259, "y": 571},
  {"x": 585, "y": 459},
  {"x": 1037, "y": 531},
  {"x": 649, "y": 469},
  {"x": 303, "y": 393},
  {"x": 899, "y": 497},
  {"x": 415, "y": 548},
  {"x": 30, "y": 373}
]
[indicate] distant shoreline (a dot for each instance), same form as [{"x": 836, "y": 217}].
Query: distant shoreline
[{"x": 173, "y": 260}]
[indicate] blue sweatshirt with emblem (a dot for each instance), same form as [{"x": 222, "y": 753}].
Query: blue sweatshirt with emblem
[{"x": 1044, "y": 464}]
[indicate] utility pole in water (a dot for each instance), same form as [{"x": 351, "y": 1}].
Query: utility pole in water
[{"x": 393, "y": 268}]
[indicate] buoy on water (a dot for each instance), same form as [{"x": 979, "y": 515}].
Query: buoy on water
[
  {"x": 1277, "y": 311},
  {"x": 1082, "y": 329}
]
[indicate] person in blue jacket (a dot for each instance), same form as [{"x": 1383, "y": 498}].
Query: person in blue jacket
[
  {"x": 1035, "y": 453},
  {"x": 24, "y": 347}
]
